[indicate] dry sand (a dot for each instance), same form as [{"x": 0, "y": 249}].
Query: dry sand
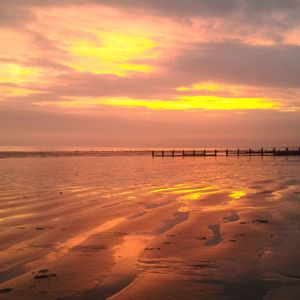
[{"x": 143, "y": 228}]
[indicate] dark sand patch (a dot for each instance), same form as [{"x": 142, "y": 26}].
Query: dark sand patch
[
  {"x": 266, "y": 192},
  {"x": 293, "y": 276},
  {"x": 151, "y": 249},
  {"x": 217, "y": 238},
  {"x": 5, "y": 291},
  {"x": 44, "y": 276},
  {"x": 40, "y": 228},
  {"x": 43, "y": 271},
  {"x": 168, "y": 224},
  {"x": 250, "y": 289},
  {"x": 89, "y": 248},
  {"x": 137, "y": 215},
  {"x": 260, "y": 221},
  {"x": 156, "y": 204},
  {"x": 232, "y": 218}
]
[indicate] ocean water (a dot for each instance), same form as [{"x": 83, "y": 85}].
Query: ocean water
[{"x": 137, "y": 227}]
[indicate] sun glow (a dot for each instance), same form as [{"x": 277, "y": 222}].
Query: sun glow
[
  {"x": 214, "y": 87},
  {"x": 14, "y": 73},
  {"x": 179, "y": 103},
  {"x": 16, "y": 91},
  {"x": 113, "y": 52},
  {"x": 205, "y": 87}
]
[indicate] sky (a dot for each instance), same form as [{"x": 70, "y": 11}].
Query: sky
[{"x": 151, "y": 73}]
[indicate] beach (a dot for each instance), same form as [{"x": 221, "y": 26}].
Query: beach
[{"x": 137, "y": 227}]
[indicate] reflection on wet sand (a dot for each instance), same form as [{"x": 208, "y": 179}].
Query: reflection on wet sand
[
  {"x": 63, "y": 248},
  {"x": 202, "y": 230},
  {"x": 126, "y": 256}
]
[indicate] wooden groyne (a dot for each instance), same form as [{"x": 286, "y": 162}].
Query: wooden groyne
[{"x": 227, "y": 152}]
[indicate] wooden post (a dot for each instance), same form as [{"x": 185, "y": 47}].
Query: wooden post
[
  {"x": 250, "y": 152},
  {"x": 173, "y": 153},
  {"x": 287, "y": 151},
  {"x": 262, "y": 151},
  {"x": 204, "y": 152},
  {"x": 194, "y": 153},
  {"x": 274, "y": 151},
  {"x": 238, "y": 152},
  {"x": 162, "y": 153},
  {"x": 215, "y": 152},
  {"x": 226, "y": 152},
  {"x": 182, "y": 152}
]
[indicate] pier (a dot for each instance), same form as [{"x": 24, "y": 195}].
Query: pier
[{"x": 227, "y": 152}]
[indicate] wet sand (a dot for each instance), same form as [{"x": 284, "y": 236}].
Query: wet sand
[{"x": 143, "y": 228}]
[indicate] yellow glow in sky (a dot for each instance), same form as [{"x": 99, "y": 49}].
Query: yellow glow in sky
[
  {"x": 180, "y": 103},
  {"x": 17, "y": 92},
  {"x": 113, "y": 53},
  {"x": 215, "y": 87},
  {"x": 14, "y": 73},
  {"x": 183, "y": 89},
  {"x": 208, "y": 86}
]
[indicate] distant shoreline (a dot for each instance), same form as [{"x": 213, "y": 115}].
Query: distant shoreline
[
  {"x": 15, "y": 154},
  {"x": 107, "y": 153}
]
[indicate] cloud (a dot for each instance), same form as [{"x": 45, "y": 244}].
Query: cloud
[
  {"x": 87, "y": 51},
  {"x": 232, "y": 63},
  {"x": 14, "y": 16},
  {"x": 276, "y": 66},
  {"x": 238, "y": 70},
  {"x": 92, "y": 85},
  {"x": 278, "y": 13}
]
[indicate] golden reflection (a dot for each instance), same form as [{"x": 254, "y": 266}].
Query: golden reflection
[
  {"x": 192, "y": 193},
  {"x": 130, "y": 248},
  {"x": 198, "y": 195},
  {"x": 190, "y": 197},
  {"x": 184, "y": 209},
  {"x": 237, "y": 194},
  {"x": 76, "y": 189},
  {"x": 16, "y": 216},
  {"x": 65, "y": 247},
  {"x": 173, "y": 188},
  {"x": 193, "y": 190},
  {"x": 126, "y": 257},
  {"x": 186, "y": 193},
  {"x": 214, "y": 208}
]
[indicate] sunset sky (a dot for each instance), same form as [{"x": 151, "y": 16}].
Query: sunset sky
[{"x": 152, "y": 73}]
